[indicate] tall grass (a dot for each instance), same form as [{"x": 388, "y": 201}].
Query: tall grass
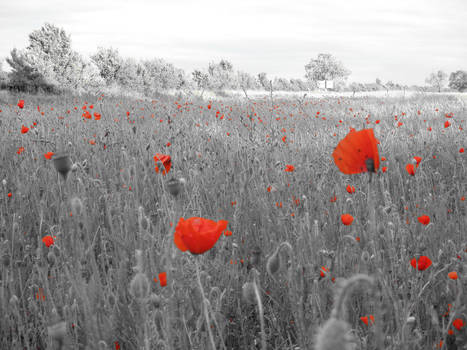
[{"x": 94, "y": 288}]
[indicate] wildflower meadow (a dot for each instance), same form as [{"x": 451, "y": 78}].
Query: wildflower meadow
[{"x": 235, "y": 223}]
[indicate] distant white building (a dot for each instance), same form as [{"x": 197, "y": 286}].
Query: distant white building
[{"x": 325, "y": 84}]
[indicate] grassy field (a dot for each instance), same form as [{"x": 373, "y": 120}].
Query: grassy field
[{"x": 83, "y": 257}]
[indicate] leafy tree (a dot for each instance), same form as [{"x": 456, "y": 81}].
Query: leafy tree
[
  {"x": 437, "y": 80},
  {"x": 221, "y": 75},
  {"x": 263, "y": 81},
  {"x": 246, "y": 81},
  {"x": 325, "y": 67},
  {"x": 458, "y": 80},
  {"x": 109, "y": 63},
  {"x": 50, "y": 63},
  {"x": 281, "y": 84}
]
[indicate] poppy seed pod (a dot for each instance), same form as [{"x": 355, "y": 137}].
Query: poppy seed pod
[{"x": 62, "y": 163}]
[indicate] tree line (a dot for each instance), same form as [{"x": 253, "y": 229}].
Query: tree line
[{"x": 49, "y": 64}]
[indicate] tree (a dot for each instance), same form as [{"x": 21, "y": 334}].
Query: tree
[
  {"x": 325, "y": 67},
  {"x": 50, "y": 63},
  {"x": 263, "y": 81},
  {"x": 221, "y": 75},
  {"x": 437, "y": 80},
  {"x": 458, "y": 80},
  {"x": 109, "y": 63},
  {"x": 246, "y": 81}
]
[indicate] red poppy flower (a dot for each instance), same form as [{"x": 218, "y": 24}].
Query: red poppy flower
[
  {"x": 24, "y": 129},
  {"x": 357, "y": 152},
  {"x": 461, "y": 150},
  {"x": 20, "y": 150},
  {"x": 323, "y": 271},
  {"x": 424, "y": 219},
  {"x": 87, "y": 115},
  {"x": 350, "y": 189},
  {"x": 9, "y": 195},
  {"x": 458, "y": 323},
  {"x": 48, "y": 155},
  {"x": 347, "y": 219},
  {"x": 384, "y": 169},
  {"x": 289, "y": 168},
  {"x": 21, "y": 104},
  {"x": 163, "y": 279},
  {"x": 410, "y": 169},
  {"x": 447, "y": 124},
  {"x": 198, "y": 235},
  {"x": 165, "y": 160},
  {"x": 453, "y": 275},
  {"x": 365, "y": 319},
  {"x": 97, "y": 116},
  {"x": 418, "y": 160},
  {"x": 48, "y": 240},
  {"x": 423, "y": 263},
  {"x": 333, "y": 199}
]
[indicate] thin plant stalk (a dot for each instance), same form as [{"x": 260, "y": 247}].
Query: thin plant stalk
[{"x": 205, "y": 308}]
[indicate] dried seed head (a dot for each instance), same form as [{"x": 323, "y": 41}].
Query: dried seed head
[
  {"x": 74, "y": 168},
  {"x": 4, "y": 182},
  {"x": 248, "y": 293},
  {"x": 139, "y": 286},
  {"x": 76, "y": 206}
]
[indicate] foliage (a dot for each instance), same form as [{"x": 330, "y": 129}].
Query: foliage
[
  {"x": 325, "y": 67},
  {"x": 109, "y": 63},
  {"x": 458, "y": 80}
]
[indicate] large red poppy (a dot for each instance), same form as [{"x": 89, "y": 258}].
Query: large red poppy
[
  {"x": 198, "y": 235},
  {"x": 357, "y": 152}
]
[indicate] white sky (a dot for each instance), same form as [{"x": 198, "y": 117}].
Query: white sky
[{"x": 399, "y": 40}]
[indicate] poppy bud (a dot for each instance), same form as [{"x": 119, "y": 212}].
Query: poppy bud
[
  {"x": 102, "y": 345},
  {"x": 380, "y": 229},
  {"x": 51, "y": 258},
  {"x": 174, "y": 186},
  {"x": 62, "y": 164},
  {"x": 76, "y": 206},
  {"x": 139, "y": 286},
  {"x": 57, "y": 331},
  {"x": 365, "y": 257},
  {"x": 273, "y": 263},
  {"x": 155, "y": 301},
  {"x": 248, "y": 293},
  {"x": 4, "y": 182},
  {"x": 14, "y": 301},
  {"x": 74, "y": 168}
]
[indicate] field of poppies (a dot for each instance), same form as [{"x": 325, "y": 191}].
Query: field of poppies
[{"x": 176, "y": 223}]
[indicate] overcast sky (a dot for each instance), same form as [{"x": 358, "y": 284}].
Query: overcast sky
[{"x": 399, "y": 40}]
